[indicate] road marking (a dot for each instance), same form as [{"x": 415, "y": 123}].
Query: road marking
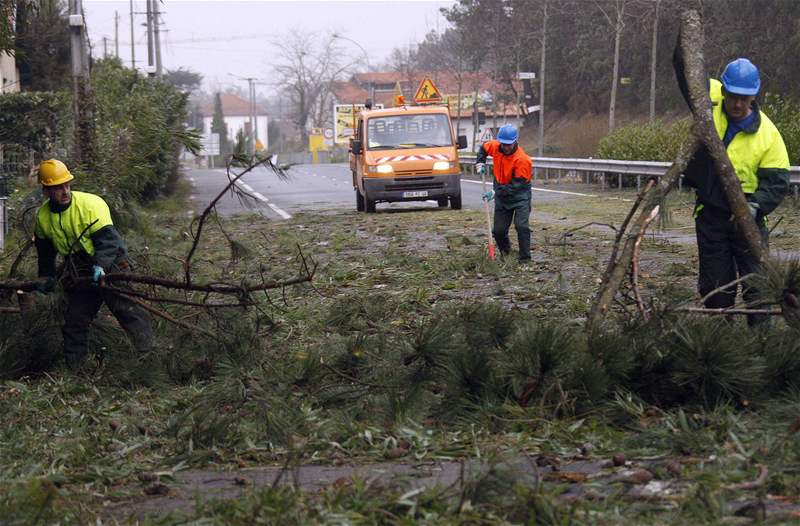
[
  {"x": 563, "y": 192},
  {"x": 260, "y": 197}
]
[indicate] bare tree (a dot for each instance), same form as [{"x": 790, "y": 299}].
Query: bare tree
[
  {"x": 306, "y": 70},
  {"x": 616, "y": 21}
]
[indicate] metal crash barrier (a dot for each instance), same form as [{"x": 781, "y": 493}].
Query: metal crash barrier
[{"x": 604, "y": 168}]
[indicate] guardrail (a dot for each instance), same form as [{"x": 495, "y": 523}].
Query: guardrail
[{"x": 604, "y": 167}]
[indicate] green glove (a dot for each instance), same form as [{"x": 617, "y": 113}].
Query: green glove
[
  {"x": 488, "y": 196},
  {"x": 480, "y": 168}
]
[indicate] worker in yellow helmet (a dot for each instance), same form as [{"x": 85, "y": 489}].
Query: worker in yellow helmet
[{"x": 78, "y": 226}]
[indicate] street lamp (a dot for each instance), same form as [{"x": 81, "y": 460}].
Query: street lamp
[
  {"x": 366, "y": 58},
  {"x": 251, "y": 81}
]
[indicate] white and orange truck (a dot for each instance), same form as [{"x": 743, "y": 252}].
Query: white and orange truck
[{"x": 406, "y": 153}]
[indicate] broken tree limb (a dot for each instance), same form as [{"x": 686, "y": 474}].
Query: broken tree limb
[
  {"x": 637, "y": 246},
  {"x": 731, "y": 311},
  {"x": 28, "y": 286},
  {"x": 691, "y": 75},
  {"x": 213, "y": 204},
  {"x": 615, "y": 272},
  {"x": 694, "y": 75}
]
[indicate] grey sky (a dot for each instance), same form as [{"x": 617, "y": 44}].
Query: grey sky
[{"x": 216, "y": 38}]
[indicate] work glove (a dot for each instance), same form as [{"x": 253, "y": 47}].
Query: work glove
[
  {"x": 480, "y": 168},
  {"x": 488, "y": 196},
  {"x": 97, "y": 274},
  {"x": 754, "y": 208},
  {"x": 46, "y": 286}
]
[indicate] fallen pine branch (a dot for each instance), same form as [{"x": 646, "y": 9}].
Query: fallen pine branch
[
  {"x": 29, "y": 286},
  {"x": 171, "y": 319},
  {"x": 759, "y": 481},
  {"x": 704, "y": 310}
]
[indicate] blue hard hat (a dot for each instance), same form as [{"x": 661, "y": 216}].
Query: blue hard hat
[
  {"x": 741, "y": 78},
  {"x": 508, "y": 134}
]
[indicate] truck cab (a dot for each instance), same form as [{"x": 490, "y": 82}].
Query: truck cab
[{"x": 407, "y": 153}]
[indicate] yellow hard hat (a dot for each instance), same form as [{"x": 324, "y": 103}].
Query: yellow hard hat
[{"x": 53, "y": 172}]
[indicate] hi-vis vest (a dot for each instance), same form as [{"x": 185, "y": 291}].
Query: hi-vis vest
[
  {"x": 64, "y": 228},
  {"x": 748, "y": 152}
]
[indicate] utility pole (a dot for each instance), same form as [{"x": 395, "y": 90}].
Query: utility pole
[
  {"x": 157, "y": 38},
  {"x": 105, "y": 47},
  {"x": 116, "y": 34},
  {"x": 150, "y": 63},
  {"x": 133, "y": 44}
]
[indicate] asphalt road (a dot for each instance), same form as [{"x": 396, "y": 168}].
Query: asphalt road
[{"x": 314, "y": 187}]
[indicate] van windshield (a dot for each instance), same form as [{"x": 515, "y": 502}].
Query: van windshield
[{"x": 409, "y": 131}]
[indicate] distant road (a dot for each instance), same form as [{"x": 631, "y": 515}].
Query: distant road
[{"x": 313, "y": 187}]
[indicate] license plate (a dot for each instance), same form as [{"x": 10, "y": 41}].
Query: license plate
[{"x": 422, "y": 193}]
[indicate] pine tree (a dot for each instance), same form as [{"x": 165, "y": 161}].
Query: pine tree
[{"x": 218, "y": 125}]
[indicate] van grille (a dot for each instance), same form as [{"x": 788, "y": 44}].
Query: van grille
[
  {"x": 406, "y": 173},
  {"x": 422, "y": 185}
]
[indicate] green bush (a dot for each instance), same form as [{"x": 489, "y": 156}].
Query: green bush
[
  {"x": 34, "y": 120},
  {"x": 659, "y": 141},
  {"x": 653, "y": 141},
  {"x": 140, "y": 131},
  {"x": 785, "y": 113}
]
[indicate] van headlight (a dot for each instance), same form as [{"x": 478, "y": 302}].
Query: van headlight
[
  {"x": 380, "y": 168},
  {"x": 442, "y": 165}
]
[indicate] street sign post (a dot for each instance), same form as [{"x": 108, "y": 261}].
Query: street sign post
[
  {"x": 344, "y": 120},
  {"x": 526, "y": 75}
]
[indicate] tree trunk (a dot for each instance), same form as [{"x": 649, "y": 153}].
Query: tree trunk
[
  {"x": 615, "y": 77},
  {"x": 696, "y": 84},
  {"x": 653, "y": 55},
  {"x": 541, "y": 79},
  {"x": 690, "y": 72}
]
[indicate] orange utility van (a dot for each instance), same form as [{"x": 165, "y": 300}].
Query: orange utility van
[{"x": 407, "y": 153}]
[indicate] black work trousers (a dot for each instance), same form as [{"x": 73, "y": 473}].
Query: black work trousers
[
  {"x": 724, "y": 256},
  {"x": 520, "y": 215},
  {"x": 83, "y": 302}
]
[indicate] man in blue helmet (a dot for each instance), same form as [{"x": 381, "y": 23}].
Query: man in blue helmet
[
  {"x": 512, "y": 189},
  {"x": 758, "y": 154}
]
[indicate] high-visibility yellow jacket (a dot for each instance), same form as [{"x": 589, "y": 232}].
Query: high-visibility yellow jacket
[
  {"x": 82, "y": 226},
  {"x": 757, "y": 153}
]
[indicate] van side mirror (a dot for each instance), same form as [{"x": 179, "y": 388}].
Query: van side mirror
[
  {"x": 462, "y": 142},
  {"x": 355, "y": 147}
]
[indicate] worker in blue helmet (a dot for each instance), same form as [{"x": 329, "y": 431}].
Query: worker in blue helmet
[
  {"x": 758, "y": 155},
  {"x": 511, "y": 189}
]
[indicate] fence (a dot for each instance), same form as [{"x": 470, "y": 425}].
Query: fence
[{"x": 602, "y": 168}]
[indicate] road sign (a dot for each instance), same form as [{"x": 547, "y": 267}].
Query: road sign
[
  {"x": 344, "y": 120},
  {"x": 487, "y": 135},
  {"x": 526, "y": 75},
  {"x": 328, "y": 133},
  {"x": 427, "y": 92}
]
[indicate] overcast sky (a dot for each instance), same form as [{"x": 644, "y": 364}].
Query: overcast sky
[{"x": 218, "y": 38}]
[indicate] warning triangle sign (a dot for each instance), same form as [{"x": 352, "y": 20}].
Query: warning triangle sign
[{"x": 427, "y": 92}]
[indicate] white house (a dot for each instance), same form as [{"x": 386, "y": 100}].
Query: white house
[
  {"x": 9, "y": 74},
  {"x": 236, "y": 112}
]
